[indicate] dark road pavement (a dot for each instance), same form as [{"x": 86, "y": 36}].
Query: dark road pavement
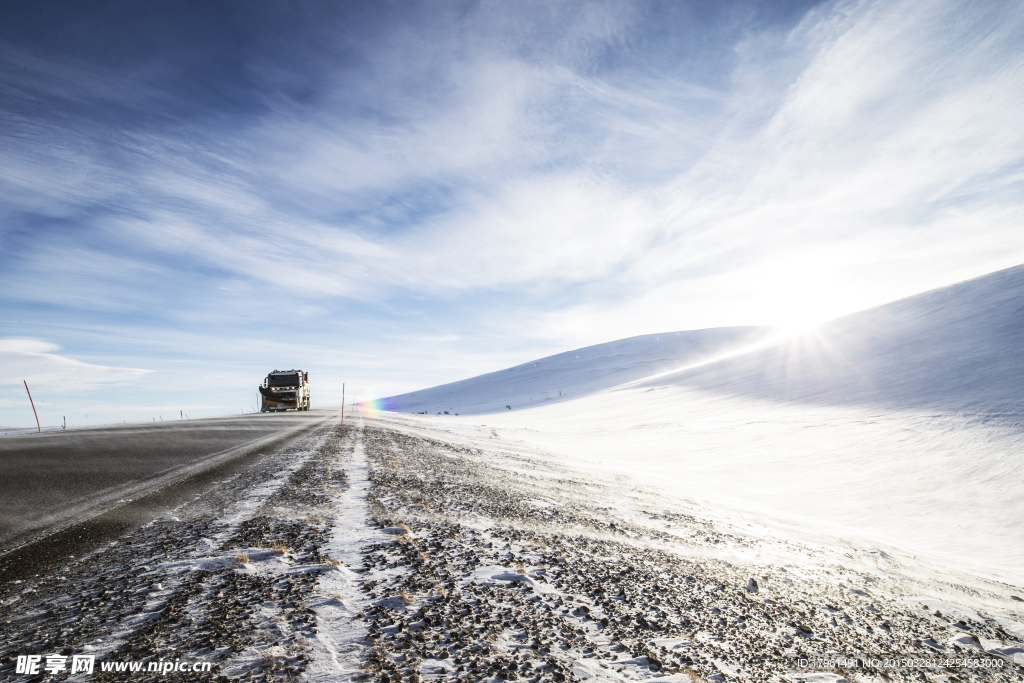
[{"x": 53, "y": 479}]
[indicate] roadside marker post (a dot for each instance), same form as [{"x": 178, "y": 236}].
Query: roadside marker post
[
  {"x": 33, "y": 405},
  {"x": 342, "y": 403}
]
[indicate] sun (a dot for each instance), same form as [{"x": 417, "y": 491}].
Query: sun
[
  {"x": 797, "y": 296},
  {"x": 796, "y": 326}
]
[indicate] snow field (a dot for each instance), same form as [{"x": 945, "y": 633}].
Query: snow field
[{"x": 943, "y": 487}]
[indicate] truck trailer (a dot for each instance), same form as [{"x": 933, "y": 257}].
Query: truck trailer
[{"x": 285, "y": 390}]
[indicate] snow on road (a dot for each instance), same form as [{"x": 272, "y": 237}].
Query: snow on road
[{"x": 340, "y": 647}]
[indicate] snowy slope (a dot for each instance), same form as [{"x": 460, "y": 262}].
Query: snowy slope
[
  {"x": 932, "y": 484},
  {"x": 959, "y": 348},
  {"x": 575, "y": 373},
  {"x": 901, "y": 426}
]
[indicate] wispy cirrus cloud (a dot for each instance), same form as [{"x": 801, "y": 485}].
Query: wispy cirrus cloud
[
  {"x": 519, "y": 178},
  {"x": 35, "y": 359}
]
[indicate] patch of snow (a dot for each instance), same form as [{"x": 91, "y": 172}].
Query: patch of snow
[{"x": 339, "y": 644}]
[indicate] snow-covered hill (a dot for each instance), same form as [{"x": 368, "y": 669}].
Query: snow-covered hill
[
  {"x": 959, "y": 348},
  {"x": 901, "y": 426},
  {"x": 575, "y": 373}
]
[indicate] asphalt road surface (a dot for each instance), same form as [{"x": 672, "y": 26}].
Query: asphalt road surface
[{"x": 53, "y": 480}]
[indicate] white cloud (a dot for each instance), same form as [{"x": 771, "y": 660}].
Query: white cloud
[
  {"x": 33, "y": 361},
  {"x": 887, "y": 165},
  {"x": 26, "y": 346},
  {"x": 884, "y": 162},
  {"x": 891, "y": 128}
]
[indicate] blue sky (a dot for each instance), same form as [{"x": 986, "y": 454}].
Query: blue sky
[{"x": 399, "y": 194}]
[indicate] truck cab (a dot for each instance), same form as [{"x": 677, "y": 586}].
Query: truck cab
[{"x": 284, "y": 390}]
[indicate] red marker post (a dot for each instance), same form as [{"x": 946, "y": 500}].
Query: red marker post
[{"x": 33, "y": 406}]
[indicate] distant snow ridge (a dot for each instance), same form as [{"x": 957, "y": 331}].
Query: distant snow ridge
[
  {"x": 959, "y": 349},
  {"x": 956, "y": 349},
  {"x": 575, "y": 373}
]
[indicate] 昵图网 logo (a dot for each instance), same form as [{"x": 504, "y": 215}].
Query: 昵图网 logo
[{"x": 32, "y": 664}]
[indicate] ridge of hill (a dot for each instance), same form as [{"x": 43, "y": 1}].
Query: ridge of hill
[
  {"x": 575, "y": 373},
  {"x": 959, "y": 348}
]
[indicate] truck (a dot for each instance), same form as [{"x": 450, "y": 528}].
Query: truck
[{"x": 285, "y": 390}]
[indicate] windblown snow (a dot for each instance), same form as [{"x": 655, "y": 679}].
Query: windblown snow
[{"x": 901, "y": 426}]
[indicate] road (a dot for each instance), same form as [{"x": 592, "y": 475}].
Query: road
[
  {"x": 397, "y": 548},
  {"x": 51, "y": 480}
]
